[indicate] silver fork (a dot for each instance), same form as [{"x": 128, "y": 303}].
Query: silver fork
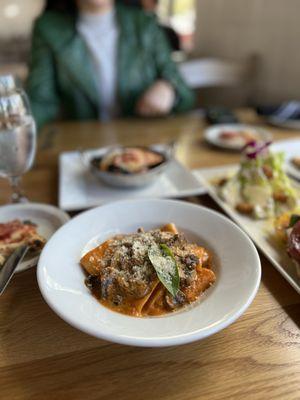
[{"x": 10, "y": 265}]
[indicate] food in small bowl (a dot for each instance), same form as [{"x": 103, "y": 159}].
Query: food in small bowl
[
  {"x": 260, "y": 188},
  {"x": 130, "y": 167}
]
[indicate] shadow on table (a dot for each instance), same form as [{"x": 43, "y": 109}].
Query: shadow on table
[
  {"x": 42, "y": 357},
  {"x": 115, "y": 372},
  {"x": 281, "y": 290}
]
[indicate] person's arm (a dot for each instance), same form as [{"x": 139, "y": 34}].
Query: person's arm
[
  {"x": 167, "y": 70},
  {"x": 41, "y": 83}
]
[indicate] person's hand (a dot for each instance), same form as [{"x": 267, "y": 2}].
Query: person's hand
[{"x": 158, "y": 100}]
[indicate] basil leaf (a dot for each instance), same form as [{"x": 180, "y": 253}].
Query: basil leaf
[
  {"x": 164, "y": 263},
  {"x": 294, "y": 219}
]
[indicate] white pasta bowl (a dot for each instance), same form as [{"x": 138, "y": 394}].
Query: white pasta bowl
[{"x": 236, "y": 264}]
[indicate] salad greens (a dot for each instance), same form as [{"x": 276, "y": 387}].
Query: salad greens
[{"x": 261, "y": 182}]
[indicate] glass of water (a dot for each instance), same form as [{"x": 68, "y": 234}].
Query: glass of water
[{"x": 17, "y": 137}]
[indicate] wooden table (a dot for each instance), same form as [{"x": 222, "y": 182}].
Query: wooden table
[{"x": 41, "y": 357}]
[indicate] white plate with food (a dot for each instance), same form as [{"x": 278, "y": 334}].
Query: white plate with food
[
  {"x": 291, "y": 150},
  {"x": 29, "y": 223},
  {"x": 235, "y": 136},
  {"x": 81, "y": 188},
  {"x": 260, "y": 197},
  {"x": 149, "y": 286}
]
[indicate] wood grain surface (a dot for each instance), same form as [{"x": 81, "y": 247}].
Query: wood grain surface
[{"x": 41, "y": 357}]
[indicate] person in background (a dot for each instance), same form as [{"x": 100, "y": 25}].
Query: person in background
[{"x": 96, "y": 59}]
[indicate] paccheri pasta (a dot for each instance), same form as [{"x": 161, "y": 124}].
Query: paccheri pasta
[{"x": 148, "y": 273}]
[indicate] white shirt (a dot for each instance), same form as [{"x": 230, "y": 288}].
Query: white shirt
[{"x": 100, "y": 32}]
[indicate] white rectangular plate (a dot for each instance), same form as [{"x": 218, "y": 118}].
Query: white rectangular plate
[
  {"x": 291, "y": 149},
  {"x": 259, "y": 230},
  {"x": 80, "y": 189}
]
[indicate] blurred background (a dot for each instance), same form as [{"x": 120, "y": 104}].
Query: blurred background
[{"x": 258, "y": 37}]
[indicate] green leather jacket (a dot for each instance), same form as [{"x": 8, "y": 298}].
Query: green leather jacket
[{"x": 61, "y": 85}]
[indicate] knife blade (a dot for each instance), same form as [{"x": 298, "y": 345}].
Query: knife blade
[{"x": 10, "y": 266}]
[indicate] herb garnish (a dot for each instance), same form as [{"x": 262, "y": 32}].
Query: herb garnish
[
  {"x": 165, "y": 265},
  {"x": 294, "y": 219}
]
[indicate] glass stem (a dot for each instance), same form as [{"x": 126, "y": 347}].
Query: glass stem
[{"x": 17, "y": 194}]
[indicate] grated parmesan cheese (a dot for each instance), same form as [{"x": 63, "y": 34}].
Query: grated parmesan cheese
[{"x": 128, "y": 264}]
